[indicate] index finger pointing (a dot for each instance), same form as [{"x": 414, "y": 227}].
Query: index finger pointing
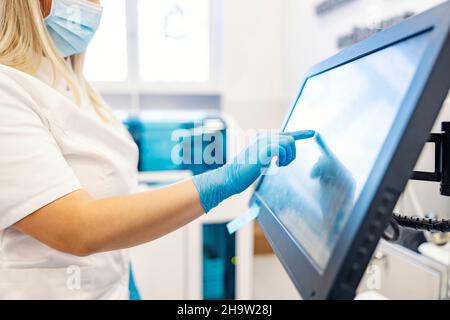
[{"x": 301, "y": 135}]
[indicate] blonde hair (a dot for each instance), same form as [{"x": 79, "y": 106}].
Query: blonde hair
[{"x": 24, "y": 41}]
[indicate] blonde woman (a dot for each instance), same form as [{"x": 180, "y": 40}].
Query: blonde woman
[{"x": 68, "y": 173}]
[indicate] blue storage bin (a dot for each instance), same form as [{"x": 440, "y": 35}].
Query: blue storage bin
[
  {"x": 157, "y": 145},
  {"x": 155, "y": 142}
]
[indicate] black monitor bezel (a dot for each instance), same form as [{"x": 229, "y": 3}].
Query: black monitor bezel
[{"x": 392, "y": 170}]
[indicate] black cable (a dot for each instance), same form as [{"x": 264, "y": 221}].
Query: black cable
[{"x": 429, "y": 225}]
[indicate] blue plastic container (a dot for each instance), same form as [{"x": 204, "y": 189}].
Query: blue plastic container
[{"x": 156, "y": 142}]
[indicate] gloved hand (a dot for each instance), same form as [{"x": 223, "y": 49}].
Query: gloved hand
[{"x": 239, "y": 174}]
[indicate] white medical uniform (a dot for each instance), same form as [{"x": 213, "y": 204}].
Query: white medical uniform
[{"x": 50, "y": 147}]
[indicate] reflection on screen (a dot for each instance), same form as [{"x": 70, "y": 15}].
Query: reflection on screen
[{"x": 352, "y": 108}]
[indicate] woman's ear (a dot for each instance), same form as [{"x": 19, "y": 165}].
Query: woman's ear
[{"x": 46, "y": 6}]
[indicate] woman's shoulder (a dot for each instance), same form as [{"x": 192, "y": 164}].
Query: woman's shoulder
[
  {"x": 21, "y": 92},
  {"x": 24, "y": 84},
  {"x": 16, "y": 80},
  {"x": 12, "y": 81},
  {"x": 11, "y": 75}
]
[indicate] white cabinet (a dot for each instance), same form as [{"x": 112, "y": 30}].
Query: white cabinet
[
  {"x": 171, "y": 267},
  {"x": 159, "y": 267}
]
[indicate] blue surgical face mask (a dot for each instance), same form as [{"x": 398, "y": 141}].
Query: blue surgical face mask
[{"x": 72, "y": 24}]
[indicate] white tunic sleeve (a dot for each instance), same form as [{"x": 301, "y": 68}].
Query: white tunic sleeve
[{"x": 33, "y": 171}]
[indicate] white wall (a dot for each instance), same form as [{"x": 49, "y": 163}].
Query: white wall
[
  {"x": 307, "y": 39},
  {"x": 252, "y": 63}
]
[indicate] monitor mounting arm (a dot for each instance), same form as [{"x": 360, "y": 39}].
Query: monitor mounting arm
[{"x": 441, "y": 174}]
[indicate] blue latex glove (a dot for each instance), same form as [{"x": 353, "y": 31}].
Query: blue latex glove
[{"x": 236, "y": 176}]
